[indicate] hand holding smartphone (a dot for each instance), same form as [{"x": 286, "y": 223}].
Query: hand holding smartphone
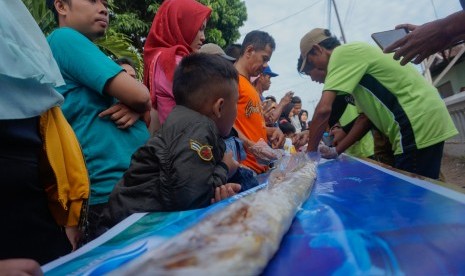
[{"x": 386, "y": 38}]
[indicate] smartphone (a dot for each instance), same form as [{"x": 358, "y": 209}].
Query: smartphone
[{"x": 386, "y": 38}]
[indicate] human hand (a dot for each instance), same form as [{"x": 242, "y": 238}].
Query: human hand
[
  {"x": 338, "y": 134},
  {"x": 420, "y": 43},
  {"x": 230, "y": 162},
  {"x": 226, "y": 191},
  {"x": 20, "y": 267},
  {"x": 286, "y": 99},
  {"x": 267, "y": 106},
  {"x": 327, "y": 152},
  {"x": 264, "y": 153},
  {"x": 74, "y": 235},
  {"x": 269, "y": 117},
  {"x": 276, "y": 138},
  {"x": 300, "y": 139},
  {"x": 123, "y": 116}
]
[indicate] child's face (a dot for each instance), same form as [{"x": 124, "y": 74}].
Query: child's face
[
  {"x": 89, "y": 17},
  {"x": 229, "y": 109}
]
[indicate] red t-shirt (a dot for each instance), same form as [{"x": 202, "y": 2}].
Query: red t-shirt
[{"x": 250, "y": 120}]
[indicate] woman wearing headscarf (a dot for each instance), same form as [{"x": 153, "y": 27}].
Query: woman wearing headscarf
[
  {"x": 287, "y": 113},
  {"x": 177, "y": 31},
  {"x": 303, "y": 117}
]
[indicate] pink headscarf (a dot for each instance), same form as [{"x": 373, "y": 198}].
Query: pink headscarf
[{"x": 174, "y": 28}]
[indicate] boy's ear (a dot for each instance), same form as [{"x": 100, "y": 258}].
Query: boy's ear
[{"x": 218, "y": 107}]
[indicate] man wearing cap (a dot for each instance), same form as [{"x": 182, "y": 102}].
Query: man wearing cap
[
  {"x": 213, "y": 49},
  {"x": 395, "y": 98},
  {"x": 256, "y": 51},
  {"x": 263, "y": 81}
]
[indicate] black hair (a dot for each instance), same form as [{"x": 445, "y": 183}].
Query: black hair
[
  {"x": 233, "y": 50},
  {"x": 302, "y": 112},
  {"x": 296, "y": 100},
  {"x": 270, "y": 98},
  {"x": 306, "y": 69},
  {"x": 51, "y": 5},
  {"x": 197, "y": 78},
  {"x": 330, "y": 43},
  {"x": 286, "y": 111},
  {"x": 259, "y": 40},
  {"x": 286, "y": 127}
]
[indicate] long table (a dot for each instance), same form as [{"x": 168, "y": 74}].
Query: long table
[{"x": 360, "y": 218}]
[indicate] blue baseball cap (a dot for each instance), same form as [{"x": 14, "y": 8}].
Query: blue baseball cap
[{"x": 267, "y": 71}]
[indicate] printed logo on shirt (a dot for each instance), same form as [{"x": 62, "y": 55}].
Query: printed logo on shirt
[
  {"x": 204, "y": 151},
  {"x": 250, "y": 108}
]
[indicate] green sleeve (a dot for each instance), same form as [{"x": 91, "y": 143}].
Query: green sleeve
[{"x": 347, "y": 65}]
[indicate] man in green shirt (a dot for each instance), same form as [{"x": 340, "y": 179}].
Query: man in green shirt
[{"x": 396, "y": 99}]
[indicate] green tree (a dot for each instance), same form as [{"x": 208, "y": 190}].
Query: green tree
[
  {"x": 115, "y": 44},
  {"x": 134, "y": 19},
  {"x": 130, "y": 23}
]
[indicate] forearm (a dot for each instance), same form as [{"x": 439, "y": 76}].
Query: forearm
[
  {"x": 317, "y": 127},
  {"x": 454, "y": 26},
  {"x": 361, "y": 126},
  {"x": 129, "y": 92},
  {"x": 277, "y": 112},
  {"x": 245, "y": 141}
]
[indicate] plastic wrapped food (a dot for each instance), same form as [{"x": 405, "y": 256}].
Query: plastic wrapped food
[
  {"x": 264, "y": 153},
  {"x": 241, "y": 238}
]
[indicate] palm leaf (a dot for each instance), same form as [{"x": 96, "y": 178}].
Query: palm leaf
[{"x": 118, "y": 45}]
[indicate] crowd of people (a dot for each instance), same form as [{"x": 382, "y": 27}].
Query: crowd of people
[{"x": 84, "y": 144}]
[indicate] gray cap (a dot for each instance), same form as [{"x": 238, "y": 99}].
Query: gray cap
[{"x": 211, "y": 48}]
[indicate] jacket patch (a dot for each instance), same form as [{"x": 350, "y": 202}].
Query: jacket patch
[{"x": 204, "y": 151}]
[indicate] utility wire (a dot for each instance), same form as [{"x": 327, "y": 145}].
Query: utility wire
[{"x": 289, "y": 16}]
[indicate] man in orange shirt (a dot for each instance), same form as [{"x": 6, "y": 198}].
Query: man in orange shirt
[{"x": 256, "y": 51}]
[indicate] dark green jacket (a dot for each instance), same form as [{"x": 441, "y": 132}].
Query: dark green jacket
[{"x": 177, "y": 169}]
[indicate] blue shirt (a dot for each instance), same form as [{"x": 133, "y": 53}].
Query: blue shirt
[{"x": 86, "y": 70}]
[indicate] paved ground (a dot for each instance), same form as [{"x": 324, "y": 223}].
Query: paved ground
[{"x": 453, "y": 169}]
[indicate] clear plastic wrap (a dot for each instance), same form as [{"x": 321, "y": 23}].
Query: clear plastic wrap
[{"x": 241, "y": 238}]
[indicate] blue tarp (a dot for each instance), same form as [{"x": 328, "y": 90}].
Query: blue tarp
[{"x": 359, "y": 219}]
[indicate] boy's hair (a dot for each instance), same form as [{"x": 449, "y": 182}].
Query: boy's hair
[
  {"x": 233, "y": 50},
  {"x": 286, "y": 127},
  {"x": 259, "y": 40},
  {"x": 51, "y": 5},
  {"x": 198, "y": 77},
  {"x": 296, "y": 100}
]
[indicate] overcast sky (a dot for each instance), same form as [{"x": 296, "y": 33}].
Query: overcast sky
[{"x": 288, "y": 21}]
